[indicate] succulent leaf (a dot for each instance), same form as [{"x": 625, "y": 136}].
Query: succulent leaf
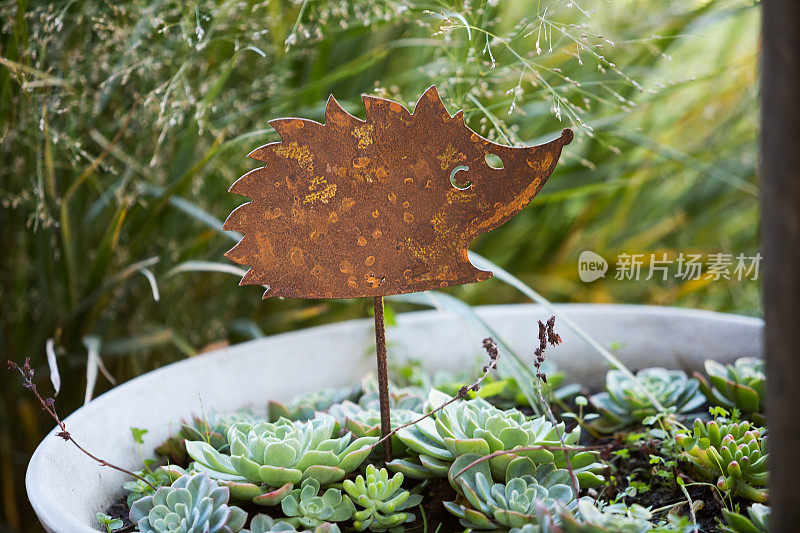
[{"x": 265, "y": 524}]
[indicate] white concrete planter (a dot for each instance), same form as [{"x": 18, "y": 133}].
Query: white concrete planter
[{"x": 67, "y": 489}]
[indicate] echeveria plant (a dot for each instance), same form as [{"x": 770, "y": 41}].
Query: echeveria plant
[
  {"x": 624, "y": 402},
  {"x": 280, "y": 455},
  {"x": 476, "y": 426},
  {"x": 192, "y": 504},
  {"x": 384, "y": 503},
  {"x": 308, "y": 508},
  {"x": 510, "y": 504}
]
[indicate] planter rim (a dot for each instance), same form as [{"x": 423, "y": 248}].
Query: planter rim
[{"x": 55, "y": 514}]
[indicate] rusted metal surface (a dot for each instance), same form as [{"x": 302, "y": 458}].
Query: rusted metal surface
[
  {"x": 357, "y": 208},
  {"x": 383, "y": 375}
]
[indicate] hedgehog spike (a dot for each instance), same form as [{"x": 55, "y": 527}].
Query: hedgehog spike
[
  {"x": 237, "y": 220},
  {"x": 377, "y": 107},
  {"x": 335, "y": 115},
  {"x": 296, "y": 129},
  {"x": 262, "y": 153},
  {"x": 431, "y": 107}
]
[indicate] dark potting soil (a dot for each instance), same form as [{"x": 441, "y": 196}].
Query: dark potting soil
[
  {"x": 662, "y": 491},
  {"x": 120, "y": 509}
]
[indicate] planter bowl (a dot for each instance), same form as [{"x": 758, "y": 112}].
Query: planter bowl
[{"x": 67, "y": 489}]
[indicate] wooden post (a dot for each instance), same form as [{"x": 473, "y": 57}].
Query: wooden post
[
  {"x": 780, "y": 238},
  {"x": 383, "y": 376}
]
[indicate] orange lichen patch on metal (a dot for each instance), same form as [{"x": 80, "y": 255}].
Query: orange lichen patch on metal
[
  {"x": 301, "y": 154},
  {"x": 364, "y": 135},
  {"x": 323, "y": 196},
  {"x": 450, "y": 157},
  {"x": 355, "y": 208}
]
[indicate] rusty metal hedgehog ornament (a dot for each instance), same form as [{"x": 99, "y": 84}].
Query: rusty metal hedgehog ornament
[
  {"x": 355, "y": 208},
  {"x": 388, "y": 205}
]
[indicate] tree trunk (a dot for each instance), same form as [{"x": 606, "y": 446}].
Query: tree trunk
[{"x": 780, "y": 237}]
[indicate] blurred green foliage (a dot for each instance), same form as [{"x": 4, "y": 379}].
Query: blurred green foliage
[{"x": 122, "y": 124}]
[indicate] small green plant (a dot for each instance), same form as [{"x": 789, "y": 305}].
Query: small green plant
[
  {"x": 475, "y": 426},
  {"x": 149, "y": 480},
  {"x": 739, "y": 385},
  {"x": 512, "y": 504},
  {"x": 192, "y": 504},
  {"x": 306, "y": 507},
  {"x": 734, "y": 455},
  {"x": 624, "y": 403},
  {"x": 616, "y": 518},
  {"x": 756, "y": 521},
  {"x": 383, "y": 500},
  {"x": 109, "y": 522},
  {"x": 306, "y": 406}
]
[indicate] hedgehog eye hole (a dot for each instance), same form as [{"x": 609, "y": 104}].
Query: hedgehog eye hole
[
  {"x": 494, "y": 161},
  {"x": 455, "y": 180}
]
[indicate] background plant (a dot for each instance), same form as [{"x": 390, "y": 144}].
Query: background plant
[
  {"x": 740, "y": 385},
  {"x": 122, "y": 125},
  {"x": 623, "y": 402}
]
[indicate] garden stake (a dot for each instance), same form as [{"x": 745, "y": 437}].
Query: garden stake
[
  {"x": 383, "y": 376},
  {"x": 388, "y": 205}
]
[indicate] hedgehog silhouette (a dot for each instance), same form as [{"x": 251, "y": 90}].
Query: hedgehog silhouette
[{"x": 387, "y": 205}]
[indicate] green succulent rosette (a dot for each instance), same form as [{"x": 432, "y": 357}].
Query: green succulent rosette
[
  {"x": 624, "y": 403},
  {"x": 528, "y": 489},
  {"x": 739, "y": 385},
  {"x": 279, "y": 455},
  {"x": 262, "y": 523},
  {"x": 732, "y": 454},
  {"x": 616, "y": 518},
  {"x": 383, "y": 501},
  {"x": 407, "y": 398},
  {"x": 306, "y": 407},
  {"x": 366, "y": 422},
  {"x": 192, "y": 504},
  {"x": 475, "y": 426},
  {"x": 307, "y": 508},
  {"x": 756, "y": 521}
]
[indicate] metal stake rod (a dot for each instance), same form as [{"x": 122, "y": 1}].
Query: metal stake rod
[{"x": 383, "y": 376}]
